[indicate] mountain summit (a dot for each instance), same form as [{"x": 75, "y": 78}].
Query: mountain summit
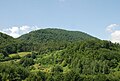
[
  {"x": 42, "y": 40},
  {"x": 50, "y": 34}
]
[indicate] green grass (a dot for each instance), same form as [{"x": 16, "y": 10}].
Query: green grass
[{"x": 21, "y": 54}]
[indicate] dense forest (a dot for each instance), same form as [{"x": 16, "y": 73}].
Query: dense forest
[
  {"x": 43, "y": 40},
  {"x": 58, "y": 55}
]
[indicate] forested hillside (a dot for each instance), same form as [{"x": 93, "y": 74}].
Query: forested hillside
[
  {"x": 6, "y": 43},
  {"x": 5, "y": 39},
  {"x": 46, "y": 40},
  {"x": 54, "y": 35},
  {"x": 59, "y": 55},
  {"x": 43, "y": 41}
]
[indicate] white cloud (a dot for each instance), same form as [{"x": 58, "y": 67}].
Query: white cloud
[
  {"x": 115, "y": 36},
  {"x": 18, "y": 31},
  {"x": 111, "y": 27},
  {"x": 24, "y": 28},
  {"x": 114, "y": 32}
]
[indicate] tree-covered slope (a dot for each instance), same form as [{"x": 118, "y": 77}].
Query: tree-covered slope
[
  {"x": 53, "y": 35},
  {"x": 5, "y": 39},
  {"x": 84, "y": 61},
  {"x": 59, "y": 55},
  {"x": 43, "y": 40},
  {"x": 46, "y": 40},
  {"x": 7, "y": 44},
  {"x": 89, "y": 60}
]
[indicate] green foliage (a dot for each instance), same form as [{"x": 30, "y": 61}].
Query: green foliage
[
  {"x": 12, "y": 72},
  {"x": 5, "y": 39},
  {"x": 1, "y": 56},
  {"x": 26, "y": 61},
  {"x": 46, "y": 35},
  {"x": 47, "y": 40},
  {"x": 58, "y": 55},
  {"x": 39, "y": 76},
  {"x": 57, "y": 68},
  {"x": 43, "y": 41},
  {"x": 34, "y": 55}
]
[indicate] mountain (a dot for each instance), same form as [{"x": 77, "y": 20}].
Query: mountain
[
  {"x": 58, "y": 55},
  {"x": 45, "y": 40},
  {"x": 45, "y": 35}
]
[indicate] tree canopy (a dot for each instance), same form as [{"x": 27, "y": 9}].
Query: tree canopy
[{"x": 58, "y": 55}]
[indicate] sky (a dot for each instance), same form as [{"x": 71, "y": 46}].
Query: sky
[{"x": 99, "y": 18}]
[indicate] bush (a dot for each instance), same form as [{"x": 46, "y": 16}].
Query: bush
[
  {"x": 26, "y": 61},
  {"x": 57, "y": 69}
]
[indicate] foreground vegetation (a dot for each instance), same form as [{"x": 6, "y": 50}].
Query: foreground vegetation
[{"x": 80, "y": 61}]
